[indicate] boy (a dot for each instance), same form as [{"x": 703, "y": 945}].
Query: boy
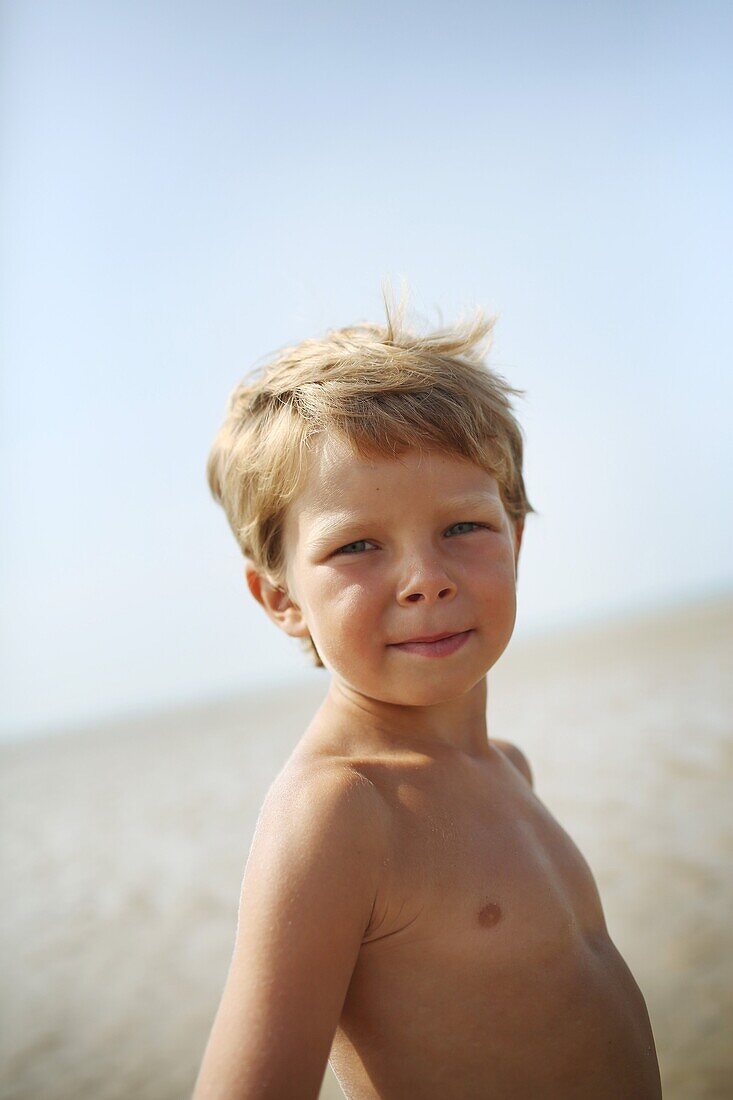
[{"x": 409, "y": 909}]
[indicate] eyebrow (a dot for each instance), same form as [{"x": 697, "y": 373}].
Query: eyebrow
[{"x": 339, "y": 523}]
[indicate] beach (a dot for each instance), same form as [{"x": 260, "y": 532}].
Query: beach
[{"x": 124, "y": 844}]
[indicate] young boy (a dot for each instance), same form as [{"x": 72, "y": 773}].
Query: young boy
[{"x": 409, "y": 909}]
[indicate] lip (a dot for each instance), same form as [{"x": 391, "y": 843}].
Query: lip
[
  {"x": 441, "y": 646},
  {"x": 432, "y": 637}
]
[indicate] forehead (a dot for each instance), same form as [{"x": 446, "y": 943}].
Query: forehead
[{"x": 337, "y": 479}]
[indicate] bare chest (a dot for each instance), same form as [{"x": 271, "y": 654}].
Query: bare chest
[
  {"x": 487, "y": 950},
  {"x": 484, "y": 868}
]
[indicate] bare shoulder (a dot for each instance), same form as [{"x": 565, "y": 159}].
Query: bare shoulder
[
  {"x": 322, "y": 794},
  {"x": 334, "y": 777},
  {"x": 517, "y": 758},
  {"x": 307, "y": 899}
]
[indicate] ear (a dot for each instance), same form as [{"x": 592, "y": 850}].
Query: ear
[{"x": 277, "y": 603}]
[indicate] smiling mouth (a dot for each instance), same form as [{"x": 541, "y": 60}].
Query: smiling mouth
[
  {"x": 431, "y": 638},
  {"x": 441, "y": 647}
]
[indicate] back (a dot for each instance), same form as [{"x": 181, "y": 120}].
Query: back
[{"x": 307, "y": 898}]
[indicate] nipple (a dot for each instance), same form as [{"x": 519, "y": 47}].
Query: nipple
[{"x": 489, "y": 915}]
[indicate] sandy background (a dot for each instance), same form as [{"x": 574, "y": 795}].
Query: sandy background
[{"x": 123, "y": 850}]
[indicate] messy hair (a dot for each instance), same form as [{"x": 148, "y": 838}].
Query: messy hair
[{"x": 383, "y": 389}]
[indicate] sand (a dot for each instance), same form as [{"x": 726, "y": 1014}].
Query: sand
[{"x": 123, "y": 849}]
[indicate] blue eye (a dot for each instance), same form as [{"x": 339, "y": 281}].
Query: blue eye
[
  {"x": 345, "y": 549},
  {"x": 466, "y": 523},
  {"x": 362, "y": 542}
]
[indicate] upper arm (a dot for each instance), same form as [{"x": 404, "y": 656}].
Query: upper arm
[
  {"x": 518, "y": 759},
  {"x": 306, "y": 901}
]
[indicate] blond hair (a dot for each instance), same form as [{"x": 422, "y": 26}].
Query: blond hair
[{"x": 383, "y": 389}]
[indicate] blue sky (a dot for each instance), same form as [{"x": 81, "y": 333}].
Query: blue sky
[{"x": 187, "y": 187}]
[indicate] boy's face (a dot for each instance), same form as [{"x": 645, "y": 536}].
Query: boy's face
[{"x": 382, "y": 551}]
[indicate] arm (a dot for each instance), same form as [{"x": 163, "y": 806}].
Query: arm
[
  {"x": 307, "y": 898},
  {"x": 517, "y": 758}
]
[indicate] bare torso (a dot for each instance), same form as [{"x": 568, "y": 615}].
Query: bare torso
[{"x": 487, "y": 970}]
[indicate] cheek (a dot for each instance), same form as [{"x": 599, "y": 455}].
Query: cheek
[
  {"x": 347, "y": 626},
  {"x": 493, "y": 586},
  {"x": 346, "y": 604},
  {"x": 491, "y": 562}
]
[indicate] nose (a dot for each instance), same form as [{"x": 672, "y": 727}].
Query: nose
[{"x": 430, "y": 584}]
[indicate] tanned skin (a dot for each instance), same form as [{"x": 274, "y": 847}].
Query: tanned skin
[{"x": 410, "y": 908}]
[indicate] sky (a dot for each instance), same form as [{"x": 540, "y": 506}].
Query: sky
[{"x": 186, "y": 188}]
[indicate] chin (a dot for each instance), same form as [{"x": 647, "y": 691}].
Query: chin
[{"x": 433, "y": 692}]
